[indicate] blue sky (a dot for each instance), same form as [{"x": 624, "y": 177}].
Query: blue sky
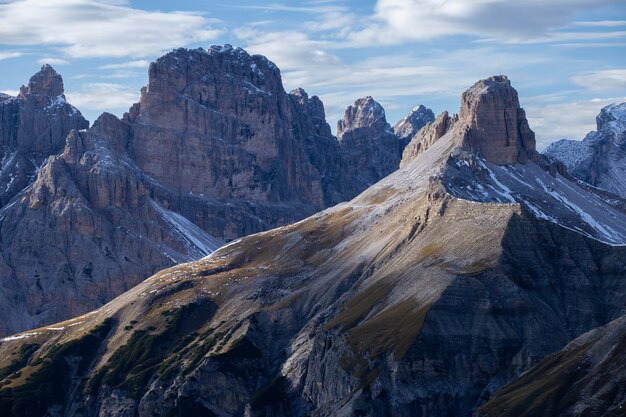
[{"x": 566, "y": 58}]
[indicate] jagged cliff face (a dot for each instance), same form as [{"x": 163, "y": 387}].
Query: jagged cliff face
[
  {"x": 491, "y": 124},
  {"x": 496, "y": 124},
  {"x": 86, "y": 230},
  {"x": 422, "y": 296},
  {"x": 406, "y": 128},
  {"x": 219, "y": 123},
  {"x": 33, "y": 126},
  {"x": 586, "y": 378},
  {"x": 600, "y": 159},
  {"x": 427, "y": 136},
  {"x": 214, "y": 150},
  {"x": 363, "y": 124}
]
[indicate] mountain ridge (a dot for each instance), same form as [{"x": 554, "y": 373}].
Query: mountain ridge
[
  {"x": 420, "y": 295},
  {"x": 215, "y": 148}
]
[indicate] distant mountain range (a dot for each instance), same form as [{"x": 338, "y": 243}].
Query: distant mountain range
[{"x": 467, "y": 282}]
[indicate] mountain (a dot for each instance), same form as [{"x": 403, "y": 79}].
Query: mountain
[
  {"x": 33, "y": 126},
  {"x": 423, "y": 295},
  {"x": 365, "y": 123},
  {"x": 600, "y": 158},
  {"x": 214, "y": 150},
  {"x": 587, "y": 377},
  {"x": 426, "y": 136},
  {"x": 419, "y": 117}
]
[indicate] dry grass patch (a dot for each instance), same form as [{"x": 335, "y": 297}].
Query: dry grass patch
[
  {"x": 393, "y": 330},
  {"x": 359, "y": 306}
]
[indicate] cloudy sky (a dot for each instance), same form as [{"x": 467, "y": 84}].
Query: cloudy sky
[{"x": 566, "y": 58}]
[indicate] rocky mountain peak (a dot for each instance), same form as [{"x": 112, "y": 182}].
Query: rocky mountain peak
[
  {"x": 365, "y": 112},
  {"x": 222, "y": 79},
  {"x": 612, "y": 119},
  {"x": 313, "y": 108},
  {"x": 419, "y": 117},
  {"x": 496, "y": 124},
  {"x": 427, "y": 136},
  {"x": 312, "y": 105},
  {"x": 33, "y": 127},
  {"x": 599, "y": 158},
  {"x": 45, "y": 84}
]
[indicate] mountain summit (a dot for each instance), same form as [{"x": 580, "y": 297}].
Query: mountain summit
[
  {"x": 600, "y": 159},
  {"x": 496, "y": 124},
  {"x": 33, "y": 126},
  {"x": 423, "y": 295}
]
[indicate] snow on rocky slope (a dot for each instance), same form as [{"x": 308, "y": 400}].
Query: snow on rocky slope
[{"x": 600, "y": 158}]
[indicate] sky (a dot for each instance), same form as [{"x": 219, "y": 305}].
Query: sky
[{"x": 566, "y": 58}]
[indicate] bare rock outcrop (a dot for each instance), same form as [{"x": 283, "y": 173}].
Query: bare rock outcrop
[
  {"x": 86, "y": 230},
  {"x": 491, "y": 125}
]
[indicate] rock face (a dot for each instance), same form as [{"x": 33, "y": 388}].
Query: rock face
[
  {"x": 491, "y": 124},
  {"x": 427, "y": 136},
  {"x": 497, "y": 125},
  {"x": 600, "y": 159},
  {"x": 586, "y": 378},
  {"x": 372, "y": 148},
  {"x": 33, "y": 126},
  {"x": 214, "y": 150},
  {"x": 422, "y": 296},
  {"x": 86, "y": 230},
  {"x": 419, "y": 117}
]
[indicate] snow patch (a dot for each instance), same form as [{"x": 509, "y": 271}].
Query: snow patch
[
  {"x": 198, "y": 242},
  {"x": 19, "y": 336}
]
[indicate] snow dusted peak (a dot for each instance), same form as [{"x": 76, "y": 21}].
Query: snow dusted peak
[
  {"x": 615, "y": 111},
  {"x": 300, "y": 93},
  {"x": 612, "y": 120},
  {"x": 45, "y": 84},
  {"x": 599, "y": 158},
  {"x": 364, "y": 113},
  {"x": 221, "y": 49},
  {"x": 419, "y": 117}
]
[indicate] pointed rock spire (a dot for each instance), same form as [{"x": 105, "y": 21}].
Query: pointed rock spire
[
  {"x": 419, "y": 117},
  {"x": 497, "y": 128},
  {"x": 365, "y": 112},
  {"x": 46, "y": 83}
]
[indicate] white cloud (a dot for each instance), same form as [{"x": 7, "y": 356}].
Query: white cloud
[
  {"x": 103, "y": 97},
  {"x": 130, "y": 64},
  {"x": 88, "y": 28},
  {"x": 553, "y": 37},
  {"x": 603, "y": 80},
  {"x": 397, "y": 21},
  {"x": 601, "y": 23},
  {"x": 9, "y": 54},
  {"x": 553, "y": 121},
  {"x": 123, "y": 74},
  {"x": 13, "y": 93},
  {"x": 52, "y": 61},
  {"x": 413, "y": 76}
]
